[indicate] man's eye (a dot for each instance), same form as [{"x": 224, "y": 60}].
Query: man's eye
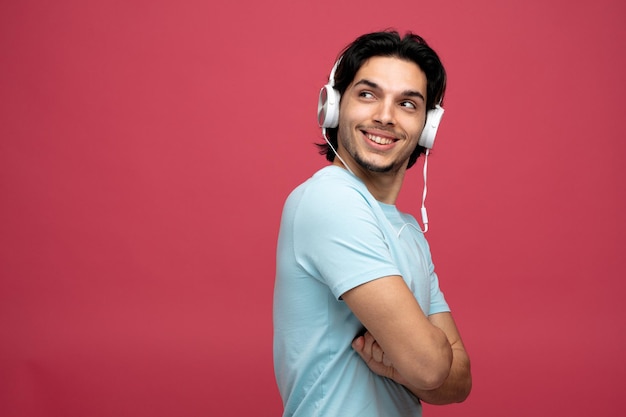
[
  {"x": 366, "y": 94},
  {"x": 408, "y": 104}
]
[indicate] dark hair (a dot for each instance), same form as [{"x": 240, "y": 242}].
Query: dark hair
[{"x": 389, "y": 43}]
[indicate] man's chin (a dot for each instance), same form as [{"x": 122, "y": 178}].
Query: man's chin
[{"x": 371, "y": 167}]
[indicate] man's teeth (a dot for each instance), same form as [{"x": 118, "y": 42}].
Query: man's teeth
[{"x": 379, "y": 140}]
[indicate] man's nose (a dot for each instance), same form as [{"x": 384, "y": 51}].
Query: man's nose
[{"x": 385, "y": 113}]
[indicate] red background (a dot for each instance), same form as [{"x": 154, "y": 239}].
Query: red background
[{"x": 146, "y": 148}]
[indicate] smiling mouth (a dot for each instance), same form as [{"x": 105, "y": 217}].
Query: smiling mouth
[{"x": 379, "y": 139}]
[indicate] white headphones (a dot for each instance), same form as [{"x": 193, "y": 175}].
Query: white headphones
[{"x": 328, "y": 111}]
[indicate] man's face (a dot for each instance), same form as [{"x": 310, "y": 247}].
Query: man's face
[{"x": 382, "y": 114}]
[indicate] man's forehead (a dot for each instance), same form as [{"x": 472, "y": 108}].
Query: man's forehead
[{"x": 391, "y": 73}]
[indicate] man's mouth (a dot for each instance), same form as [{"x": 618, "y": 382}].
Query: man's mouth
[{"x": 379, "y": 139}]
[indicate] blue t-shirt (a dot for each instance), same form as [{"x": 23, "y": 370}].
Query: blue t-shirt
[{"x": 334, "y": 236}]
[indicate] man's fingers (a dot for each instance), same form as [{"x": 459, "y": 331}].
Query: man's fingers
[
  {"x": 372, "y": 354},
  {"x": 357, "y": 344},
  {"x": 377, "y": 352},
  {"x": 387, "y": 362}
]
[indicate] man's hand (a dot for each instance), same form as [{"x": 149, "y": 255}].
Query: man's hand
[{"x": 373, "y": 355}]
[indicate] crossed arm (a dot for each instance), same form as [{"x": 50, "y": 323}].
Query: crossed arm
[{"x": 425, "y": 354}]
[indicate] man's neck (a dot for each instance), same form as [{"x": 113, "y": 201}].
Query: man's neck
[{"x": 384, "y": 186}]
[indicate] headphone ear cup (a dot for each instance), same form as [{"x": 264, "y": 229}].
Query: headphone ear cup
[
  {"x": 433, "y": 118},
  {"x": 328, "y": 107}
]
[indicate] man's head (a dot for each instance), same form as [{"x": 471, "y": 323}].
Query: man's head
[{"x": 411, "y": 48}]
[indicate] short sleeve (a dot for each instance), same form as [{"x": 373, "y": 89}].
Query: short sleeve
[{"x": 338, "y": 239}]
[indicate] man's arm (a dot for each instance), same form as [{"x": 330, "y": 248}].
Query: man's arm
[
  {"x": 457, "y": 385},
  {"x": 418, "y": 349}
]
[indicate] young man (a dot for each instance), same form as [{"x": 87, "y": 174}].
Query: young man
[{"x": 361, "y": 327}]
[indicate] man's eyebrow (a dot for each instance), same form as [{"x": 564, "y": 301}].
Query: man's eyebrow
[
  {"x": 411, "y": 93},
  {"x": 368, "y": 83},
  {"x": 406, "y": 93}
]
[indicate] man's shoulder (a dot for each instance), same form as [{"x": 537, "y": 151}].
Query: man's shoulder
[
  {"x": 333, "y": 198},
  {"x": 331, "y": 184}
]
